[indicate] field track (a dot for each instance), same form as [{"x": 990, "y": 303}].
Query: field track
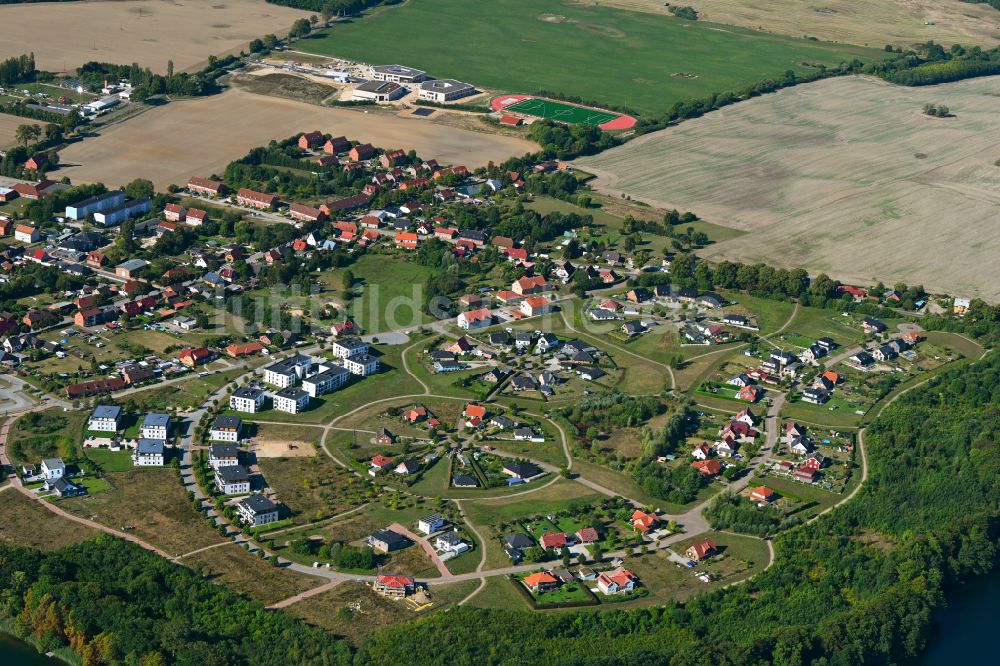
[
  {"x": 169, "y": 144},
  {"x": 846, "y": 176}
]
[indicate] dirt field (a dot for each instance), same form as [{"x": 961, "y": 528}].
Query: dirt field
[
  {"x": 864, "y": 22},
  {"x": 150, "y": 32},
  {"x": 169, "y": 144},
  {"x": 845, "y": 176},
  {"x": 8, "y": 124},
  {"x": 270, "y": 444}
]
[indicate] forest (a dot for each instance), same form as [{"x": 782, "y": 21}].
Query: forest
[{"x": 115, "y": 603}]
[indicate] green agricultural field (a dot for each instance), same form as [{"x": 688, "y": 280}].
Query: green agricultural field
[{"x": 577, "y": 50}]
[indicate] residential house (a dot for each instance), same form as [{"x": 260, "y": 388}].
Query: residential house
[
  {"x": 701, "y": 550},
  {"x": 149, "y": 453},
  {"x": 291, "y": 400},
  {"x": 105, "y": 418},
  {"x": 617, "y": 581},
  {"x": 474, "y": 319},
  {"x": 226, "y": 428},
  {"x": 762, "y": 494},
  {"x": 394, "y": 586},
  {"x": 232, "y": 480},
  {"x": 387, "y": 541},
  {"x": 541, "y": 582},
  {"x": 708, "y": 468},
  {"x": 644, "y": 522},
  {"x": 195, "y": 357},
  {"x": 257, "y": 510},
  {"x": 430, "y": 524},
  {"x": 155, "y": 426},
  {"x": 247, "y": 399},
  {"x": 535, "y": 306}
]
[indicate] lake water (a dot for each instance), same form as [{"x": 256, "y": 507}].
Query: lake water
[
  {"x": 963, "y": 630},
  {"x": 15, "y": 653}
]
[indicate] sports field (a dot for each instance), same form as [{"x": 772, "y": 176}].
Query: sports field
[
  {"x": 564, "y": 113},
  {"x": 629, "y": 59},
  {"x": 845, "y": 176}
]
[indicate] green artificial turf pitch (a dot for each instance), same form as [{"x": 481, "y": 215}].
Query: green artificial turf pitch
[{"x": 564, "y": 113}]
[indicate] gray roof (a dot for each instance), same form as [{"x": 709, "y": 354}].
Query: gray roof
[
  {"x": 350, "y": 343},
  {"x": 445, "y": 85},
  {"x": 388, "y": 537},
  {"x": 451, "y": 538},
  {"x": 286, "y": 366},
  {"x": 153, "y": 420},
  {"x": 132, "y": 264},
  {"x": 226, "y": 421},
  {"x": 107, "y": 412},
  {"x": 378, "y": 87},
  {"x": 224, "y": 450},
  {"x": 251, "y": 392},
  {"x": 149, "y": 447},
  {"x": 399, "y": 70},
  {"x": 259, "y": 504},
  {"x": 519, "y": 540},
  {"x": 291, "y": 393},
  {"x": 464, "y": 480},
  {"x": 233, "y": 474},
  {"x": 54, "y": 463},
  {"x": 333, "y": 371}
]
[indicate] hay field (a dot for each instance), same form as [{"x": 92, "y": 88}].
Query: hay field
[
  {"x": 9, "y": 125},
  {"x": 65, "y": 35},
  {"x": 171, "y": 143},
  {"x": 871, "y": 22},
  {"x": 845, "y": 176}
]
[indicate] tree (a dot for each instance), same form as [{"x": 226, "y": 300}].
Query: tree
[
  {"x": 300, "y": 28},
  {"x": 26, "y": 134},
  {"x": 53, "y": 133},
  {"x": 256, "y": 46},
  {"x": 140, "y": 188},
  {"x": 170, "y": 69}
]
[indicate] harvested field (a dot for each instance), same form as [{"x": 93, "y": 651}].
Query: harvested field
[
  {"x": 8, "y": 125},
  {"x": 845, "y": 176},
  {"x": 170, "y": 143},
  {"x": 65, "y": 35},
  {"x": 872, "y": 22}
]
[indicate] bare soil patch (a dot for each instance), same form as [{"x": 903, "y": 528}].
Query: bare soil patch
[
  {"x": 171, "y": 143},
  {"x": 826, "y": 177},
  {"x": 865, "y": 22},
  {"x": 65, "y": 35},
  {"x": 287, "y": 86}
]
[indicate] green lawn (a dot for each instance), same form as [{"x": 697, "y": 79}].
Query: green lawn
[
  {"x": 111, "y": 461},
  {"x": 618, "y": 57},
  {"x": 387, "y": 293}
]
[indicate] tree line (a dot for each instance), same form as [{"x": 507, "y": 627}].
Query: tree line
[{"x": 17, "y": 69}]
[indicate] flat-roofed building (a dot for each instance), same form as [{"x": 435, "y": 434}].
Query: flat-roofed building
[
  {"x": 248, "y": 399},
  {"x": 378, "y": 91},
  {"x": 398, "y": 74},
  {"x": 445, "y": 90},
  {"x": 327, "y": 381},
  {"x": 291, "y": 400}
]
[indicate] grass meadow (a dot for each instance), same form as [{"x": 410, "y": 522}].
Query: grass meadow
[{"x": 575, "y": 49}]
